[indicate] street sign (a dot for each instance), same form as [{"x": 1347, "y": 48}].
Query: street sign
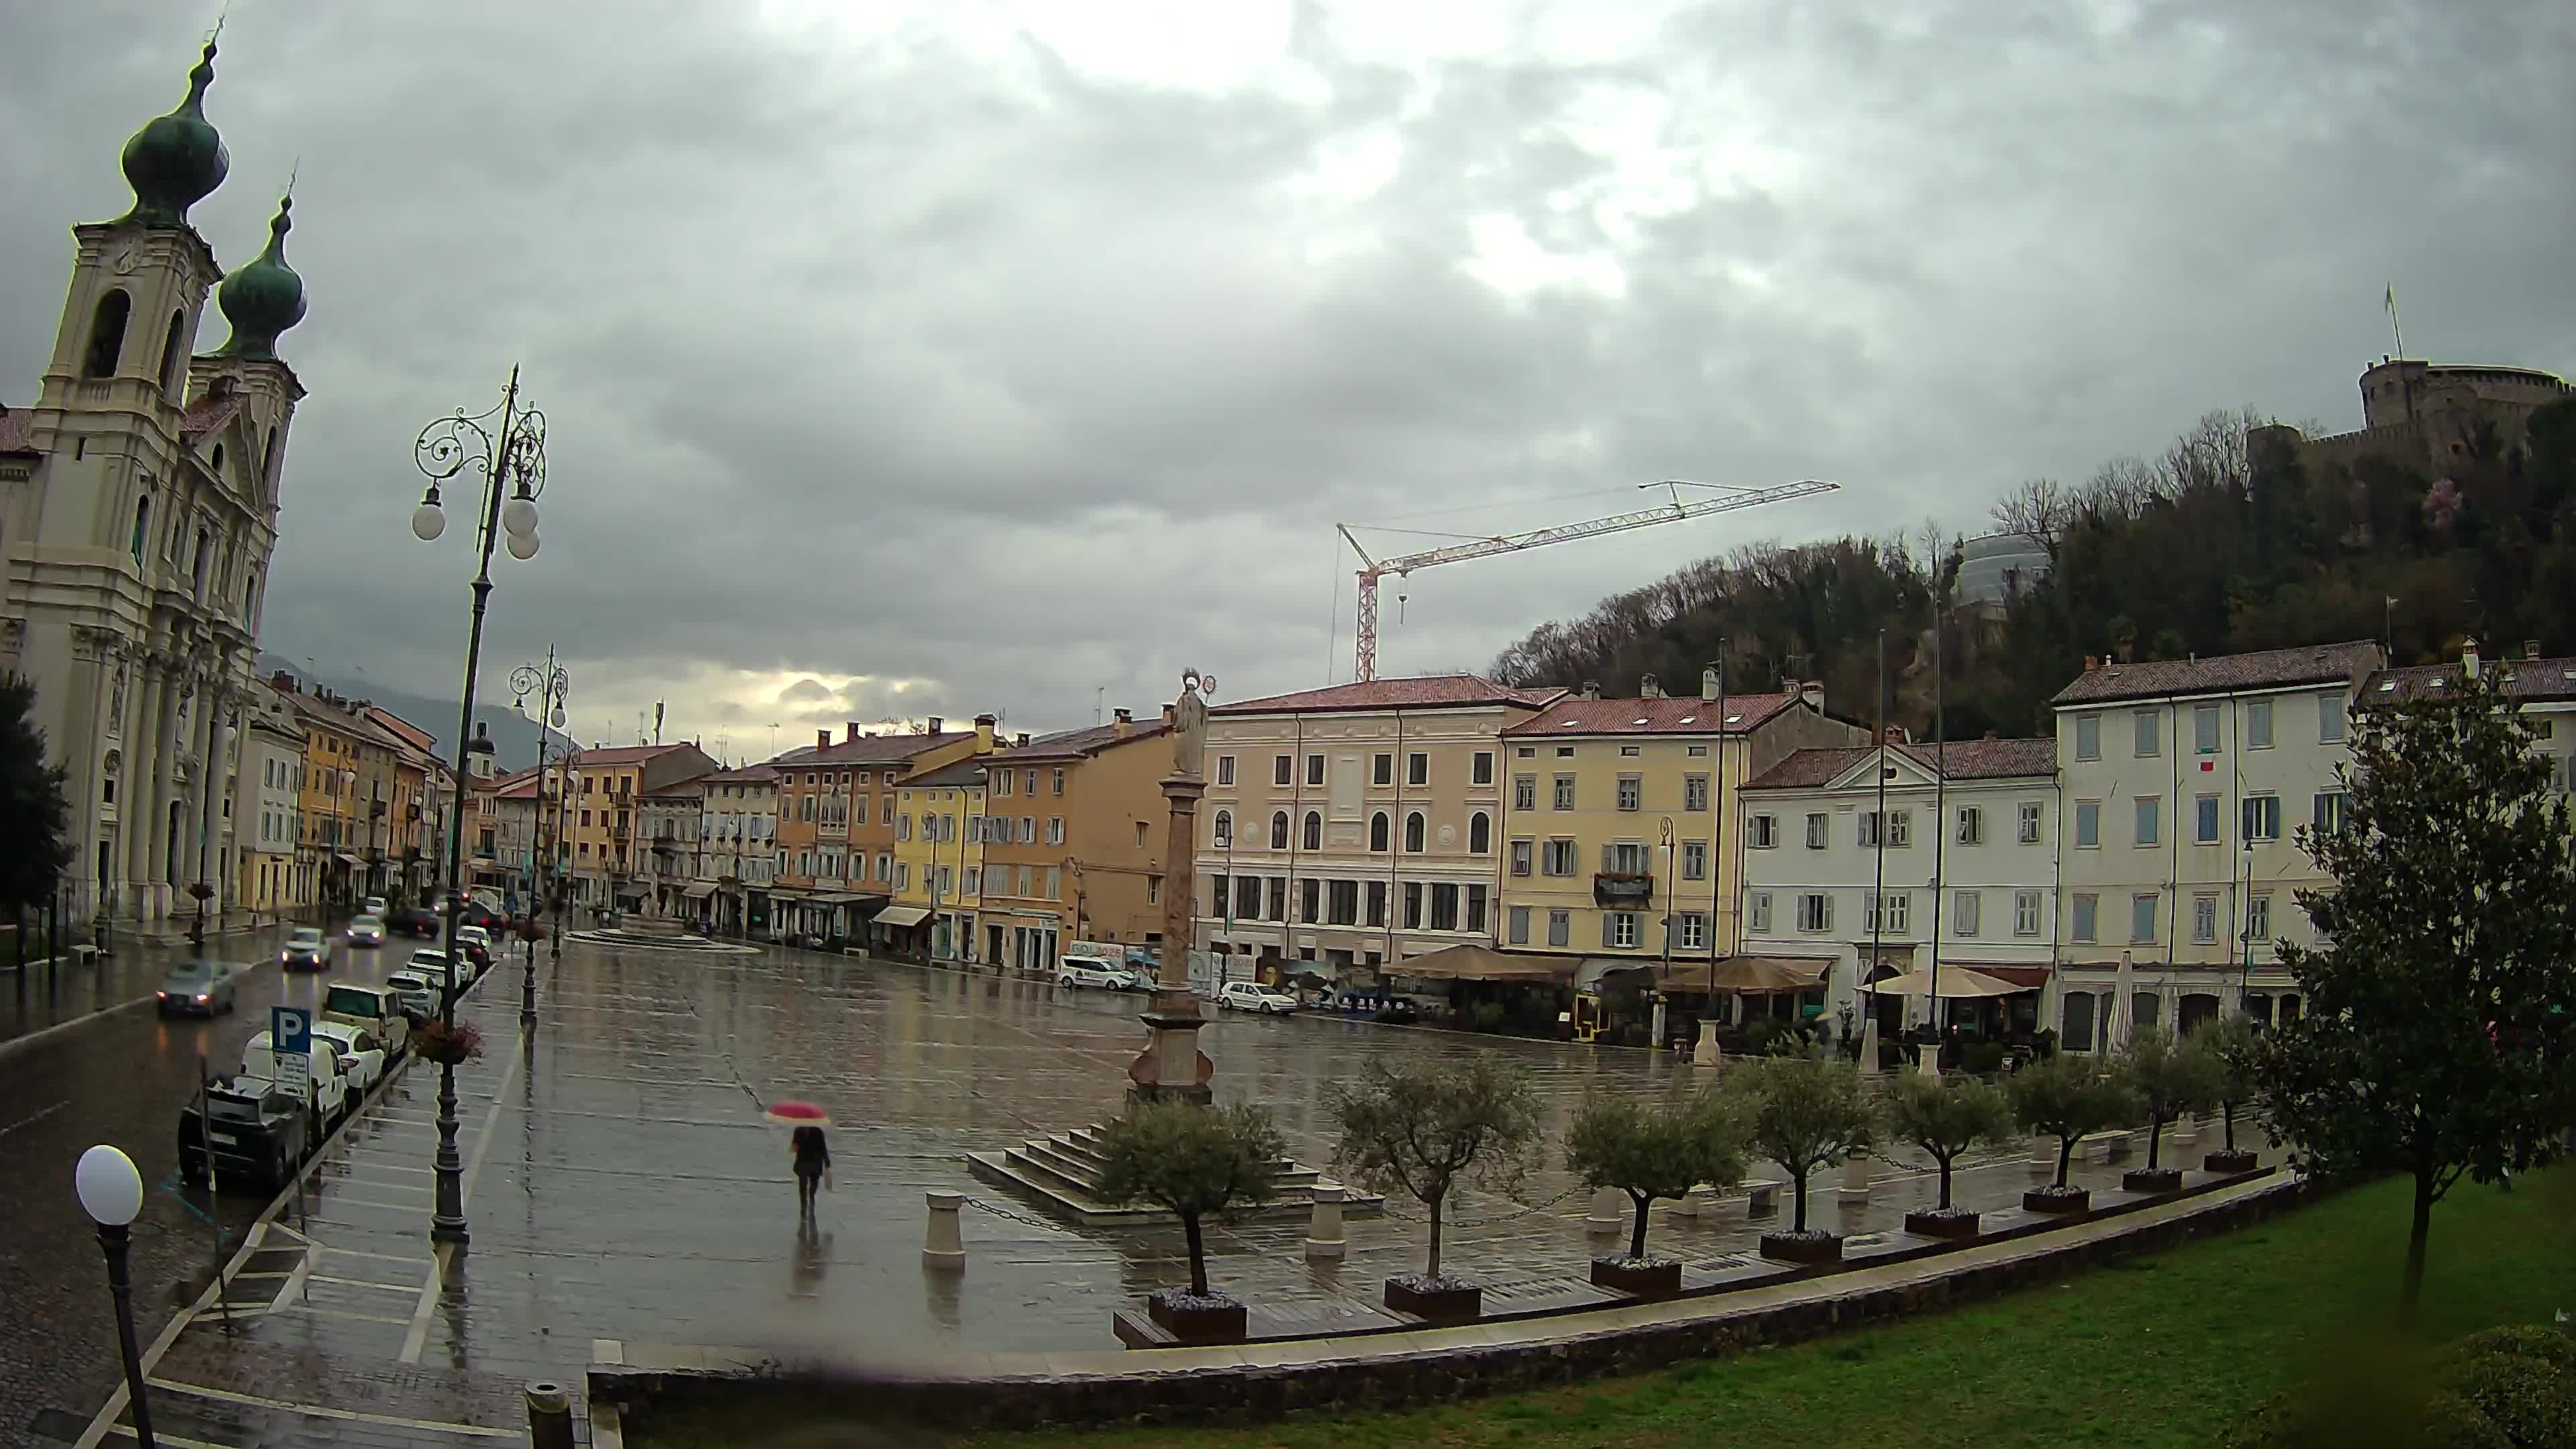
[{"x": 290, "y": 1036}]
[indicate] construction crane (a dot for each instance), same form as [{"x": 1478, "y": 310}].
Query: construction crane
[{"x": 1484, "y": 547}]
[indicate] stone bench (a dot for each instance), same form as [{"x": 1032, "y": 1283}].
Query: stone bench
[{"x": 1762, "y": 1197}]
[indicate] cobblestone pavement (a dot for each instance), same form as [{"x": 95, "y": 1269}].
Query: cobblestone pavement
[{"x": 621, "y": 1185}]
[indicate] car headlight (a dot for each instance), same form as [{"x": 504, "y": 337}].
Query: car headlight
[{"x": 201, "y": 1000}]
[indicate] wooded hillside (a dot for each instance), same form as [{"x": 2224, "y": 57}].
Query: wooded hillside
[{"x": 2213, "y": 547}]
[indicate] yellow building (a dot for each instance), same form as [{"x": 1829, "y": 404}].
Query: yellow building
[
  {"x": 599, "y": 816},
  {"x": 348, "y": 778},
  {"x": 1620, "y": 824},
  {"x": 939, "y": 859}
]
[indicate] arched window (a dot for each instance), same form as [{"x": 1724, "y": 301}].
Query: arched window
[
  {"x": 1279, "y": 830},
  {"x": 107, "y": 334},
  {"x": 1480, "y": 833},
  {"x": 1413, "y": 832},
  {"x": 216, "y": 466},
  {"x": 268, "y": 460},
  {"x": 1377, "y": 831},
  {"x": 197, "y": 569},
  {"x": 142, "y": 524},
  {"x": 1314, "y": 831},
  {"x": 1224, "y": 829},
  {"x": 174, "y": 356}
]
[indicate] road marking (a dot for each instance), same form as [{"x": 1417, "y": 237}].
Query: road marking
[
  {"x": 430, "y": 1284},
  {"x": 363, "y": 1253},
  {"x": 17, "y": 1043},
  {"x": 37, "y": 1117},
  {"x": 323, "y": 1210},
  {"x": 362, "y": 1283},
  {"x": 158, "y": 1437},
  {"x": 230, "y": 1397},
  {"x": 344, "y": 1313}
]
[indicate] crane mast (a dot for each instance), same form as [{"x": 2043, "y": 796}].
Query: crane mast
[{"x": 1373, "y": 570}]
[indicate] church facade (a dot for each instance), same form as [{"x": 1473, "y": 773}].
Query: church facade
[{"x": 138, "y": 513}]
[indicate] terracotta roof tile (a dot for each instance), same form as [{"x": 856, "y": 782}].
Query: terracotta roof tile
[
  {"x": 871, "y": 749},
  {"x": 956, "y": 774},
  {"x": 2524, "y": 679},
  {"x": 1960, "y": 760},
  {"x": 17, "y": 430},
  {"x": 2264, "y": 669},
  {"x": 747, "y": 775},
  {"x": 210, "y": 412},
  {"x": 1429, "y": 691},
  {"x": 624, "y": 755},
  {"x": 1667, "y": 716},
  {"x": 1090, "y": 740}
]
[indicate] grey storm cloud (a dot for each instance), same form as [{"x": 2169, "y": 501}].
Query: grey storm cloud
[{"x": 938, "y": 359}]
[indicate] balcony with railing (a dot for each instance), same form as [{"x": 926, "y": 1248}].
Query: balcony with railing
[{"x": 1623, "y": 888}]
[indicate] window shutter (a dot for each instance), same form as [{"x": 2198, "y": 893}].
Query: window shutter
[
  {"x": 1606, "y": 859},
  {"x": 1605, "y": 928}
]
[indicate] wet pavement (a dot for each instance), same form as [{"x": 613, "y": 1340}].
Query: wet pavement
[{"x": 621, "y": 1185}]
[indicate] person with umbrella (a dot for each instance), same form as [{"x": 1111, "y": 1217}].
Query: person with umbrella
[{"x": 807, "y": 1147}]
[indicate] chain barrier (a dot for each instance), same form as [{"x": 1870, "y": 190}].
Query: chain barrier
[
  {"x": 1447, "y": 1222},
  {"x": 1021, "y": 1218}
]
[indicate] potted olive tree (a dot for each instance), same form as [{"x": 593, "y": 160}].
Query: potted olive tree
[
  {"x": 1419, "y": 1128},
  {"x": 1803, "y": 1113},
  {"x": 2231, "y": 1044},
  {"x": 1946, "y": 1117},
  {"x": 1196, "y": 1163},
  {"x": 1648, "y": 1151},
  {"x": 2166, "y": 1078},
  {"x": 2066, "y": 1096}
]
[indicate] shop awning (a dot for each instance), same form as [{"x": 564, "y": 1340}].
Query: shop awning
[
  {"x": 698, "y": 892},
  {"x": 1732, "y": 975},
  {"x": 2028, "y": 978},
  {"x": 903, "y": 915},
  {"x": 1483, "y": 963},
  {"x": 1957, "y": 983},
  {"x": 345, "y": 858}
]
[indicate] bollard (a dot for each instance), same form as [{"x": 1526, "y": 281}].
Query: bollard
[
  {"x": 1609, "y": 1212},
  {"x": 945, "y": 1246},
  {"x": 1869, "y": 1047},
  {"x": 1855, "y": 1188},
  {"x": 549, "y": 1416},
  {"x": 2043, "y": 1156},
  {"x": 1324, "y": 1238},
  {"x": 1706, "y": 1053},
  {"x": 2186, "y": 1130}
]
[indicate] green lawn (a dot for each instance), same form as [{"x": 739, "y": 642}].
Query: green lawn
[{"x": 2151, "y": 1352}]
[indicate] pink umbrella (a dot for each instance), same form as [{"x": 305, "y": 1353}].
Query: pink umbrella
[{"x": 797, "y": 1114}]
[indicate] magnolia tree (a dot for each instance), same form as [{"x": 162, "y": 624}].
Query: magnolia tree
[
  {"x": 1947, "y": 1118},
  {"x": 2167, "y": 1077},
  {"x": 1654, "y": 1150},
  {"x": 2436, "y": 1040},
  {"x": 2066, "y": 1096},
  {"x": 1421, "y": 1127},
  {"x": 1193, "y": 1162},
  {"x": 1802, "y": 1113}
]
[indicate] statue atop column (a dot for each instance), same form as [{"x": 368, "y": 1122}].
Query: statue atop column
[{"x": 1189, "y": 724}]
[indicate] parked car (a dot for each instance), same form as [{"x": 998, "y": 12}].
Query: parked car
[
  {"x": 197, "y": 988},
  {"x": 248, "y": 1131},
  {"x": 430, "y": 962},
  {"x": 366, "y": 930},
  {"x": 305, "y": 951},
  {"x": 415, "y": 921},
  {"x": 372, "y": 906},
  {"x": 330, "y": 1085},
  {"x": 1096, "y": 971},
  {"x": 376, "y": 1010},
  {"x": 415, "y": 994},
  {"x": 1253, "y": 996},
  {"x": 362, "y": 1054},
  {"x": 476, "y": 943}
]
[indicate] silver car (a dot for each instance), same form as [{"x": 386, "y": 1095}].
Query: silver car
[
  {"x": 197, "y": 988},
  {"x": 305, "y": 951},
  {"x": 366, "y": 930}
]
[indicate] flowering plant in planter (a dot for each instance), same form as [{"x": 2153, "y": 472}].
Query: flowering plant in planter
[
  {"x": 528, "y": 930},
  {"x": 1418, "y": 1129},
  {"x": 202, "y": 891},
  {"x": 436, "y": 1041}
]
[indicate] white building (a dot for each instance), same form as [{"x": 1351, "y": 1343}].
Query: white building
[
  {"x": 138, "y": 512},
  {"x": 2184, "y": 783},
  {"x": 268, "y": 812},
  {"x": 738, "y": 863},
  {"x": 1963, "y": 871}
]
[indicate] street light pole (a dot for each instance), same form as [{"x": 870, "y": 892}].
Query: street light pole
[
  {"x": 548, "y": 685},
  {"x": 111, "y": 1192},
  {"x": 445, "y": 448}
]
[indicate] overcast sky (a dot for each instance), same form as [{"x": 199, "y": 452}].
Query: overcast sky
[{"x": 908, "y": 359}]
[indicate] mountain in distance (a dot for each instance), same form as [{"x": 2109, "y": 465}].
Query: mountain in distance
[{"x": 514, "y": 737}]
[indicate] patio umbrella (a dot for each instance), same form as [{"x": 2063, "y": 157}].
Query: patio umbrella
[
  {"x": 792, "y": 1113},
  {"x": 2124, "y": 1014}
]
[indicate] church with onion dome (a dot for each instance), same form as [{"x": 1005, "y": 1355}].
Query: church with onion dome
[{"x": 139, "y": 500}]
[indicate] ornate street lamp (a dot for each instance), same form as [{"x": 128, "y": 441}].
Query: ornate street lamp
[
  {"x": 507, "y": 446},
  {"x": 111, "y": 1192},
  {"x": 548, "y": 686}
]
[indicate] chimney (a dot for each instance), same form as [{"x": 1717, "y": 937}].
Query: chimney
[
  {"x": 1990, "y": 734},
  {"x": 935, "y": 722},
  {"x": 853, "y": 727},
  {"x": 2531, "y": 649},
  {"x": 984, "y": 732},
  {"x": 2469, "y": 658},
  {"x": 1649, "y": 687},
  {"x": 1171, "y": 715},
  {"x": 2092, "y": 663},
  {"x": 1120, "y": 720},
  {"x": 1708, "y": 684},
  {"x": 1896, "y": 734},
  {"x": 1021, "y": 740},
  {"x": 822, "y": 739},
  {"x": 1812, "y": 694},
  {"x": 1592, "y": 689}
]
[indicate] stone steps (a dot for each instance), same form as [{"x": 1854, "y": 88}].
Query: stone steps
[{"x": 1063, "y": 1173}]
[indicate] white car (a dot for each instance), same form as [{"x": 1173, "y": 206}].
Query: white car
[
  {"x": 362, "y": 1058},
  {"x": 366, "y": 931},
  {"x": 415, "y": 993},
  {"x": 1253, "y": 996},
  {"x": 330, "y": 1087},
  {"x": 1096, "y": 971},
  {"x": 431, "y": 962},
  {"x": 372, "y": 906}
]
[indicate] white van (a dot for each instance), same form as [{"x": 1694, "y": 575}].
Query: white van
[{"x": 330, "y": 1085}]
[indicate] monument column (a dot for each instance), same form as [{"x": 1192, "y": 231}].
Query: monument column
[{"x": 1172, "y": 1067}]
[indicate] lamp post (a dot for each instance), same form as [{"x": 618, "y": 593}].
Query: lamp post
[
  {"x": 111, "y": 1192},
  {"x": 349, "y": 842},
  {"x": 548, "y": 685},
  {"x": 565, "y": 760},
  {"x": 516, "y": 456},
  {"x": 1671, "y": 852}
]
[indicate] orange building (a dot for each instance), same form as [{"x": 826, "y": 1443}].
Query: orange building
[
  {"x": 836, "y": 809},
  {"x": 1073, "y": 845}
]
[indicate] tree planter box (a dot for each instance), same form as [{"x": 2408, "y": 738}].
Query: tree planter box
[
  {"x": 1934, "y": 1223},
  {"x": 2049, "y": 1200},
  {"x": 2239, "y": 1160},
  {"x": 1803, "y": 1247},
  {"x": 1445, "y": 1299},
  {"x": 1214, "y": 1319},
  {"x": 1644, "y": 1278},
  {"x": 2151, "y": 1179}
]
